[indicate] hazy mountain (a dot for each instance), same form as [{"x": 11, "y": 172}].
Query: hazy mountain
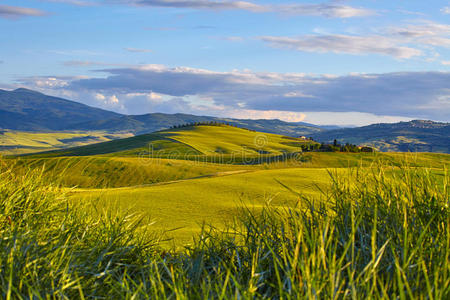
[
  {"x": 28, "y": 110},
  {"x": 417, "y": 135},
  {"x": 140, "y": 124}
]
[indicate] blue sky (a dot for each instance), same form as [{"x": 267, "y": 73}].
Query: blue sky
[{"x": 324, "y": 62}]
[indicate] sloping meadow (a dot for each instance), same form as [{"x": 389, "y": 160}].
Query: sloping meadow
[{"x": 376, "y": 232}]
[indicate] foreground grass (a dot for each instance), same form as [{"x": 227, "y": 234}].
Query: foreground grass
[{"x": 376, "y": 235}]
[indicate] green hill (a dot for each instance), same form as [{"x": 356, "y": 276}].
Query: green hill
[
  {"x": 185, "y": 176},
  {"x": 192, "y": 152},
  {"x": 202, "y": 140},
  {"x": 414, "y": 136}
]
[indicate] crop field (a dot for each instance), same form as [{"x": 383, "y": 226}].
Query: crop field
[{"x": 185, "y": 213}]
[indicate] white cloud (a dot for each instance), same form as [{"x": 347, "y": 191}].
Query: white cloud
[
  {"x": 231, "y": 38},
  {"x": 420, "y": 38},
  {"x": 100, "y": 97},
  {"x": 113, "y": 100},
  {"x": 329, "y": 10},
  {"x": 422, "y": 32},
  {"x": 14, "y": 12},
  {"x": 51, "y": 82},
  {"x": 297, "y": 95},
  {"x": 421, "y": 28},
  {"x": 348, "y": 44},
  {"x": 108, "y": 101},
  {"x": 445, "y": 62},
  {"x": 446, "y": 10},
  {"x": 154, "y": 96},
  {"x": 201, "y": 4}
]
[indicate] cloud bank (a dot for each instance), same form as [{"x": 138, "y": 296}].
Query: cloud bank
[{"x": 404, "y": 94}]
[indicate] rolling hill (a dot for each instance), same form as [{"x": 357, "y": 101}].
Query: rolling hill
[
  {"x": 185, "y": 176},
  {"x": 203, "y": 140},
  {"x": 413, "y": 136}
]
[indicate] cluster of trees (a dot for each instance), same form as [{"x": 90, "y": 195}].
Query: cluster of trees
[
  {"x": 208, "y": 123},
  {"x": 335, "y": 147}
]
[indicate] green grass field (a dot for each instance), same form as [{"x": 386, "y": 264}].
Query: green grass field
[
  {"x": 187, "y": 204},
  {"x": 379, "y": 232},
  {"x": 184, "y": 214}
]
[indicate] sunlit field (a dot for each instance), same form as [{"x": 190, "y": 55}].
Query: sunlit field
[
  {"x": 130, "y": 219},
  {"x": 380, "y": 231}
]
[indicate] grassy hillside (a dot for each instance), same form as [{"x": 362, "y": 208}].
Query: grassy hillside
[
  {"x": 187, "y": 204},
  {"x": 115, "y": 171},
  {"x": 232, "y": 140},
  {"x": 21, "y": 142},
  {"x": 165, "y": 175},
  {"x": 109, "y": 172},
  {"x": 191, "y": 141},
  {"x": 379, "y": 229},
  {"x": 414, "y": 136}
]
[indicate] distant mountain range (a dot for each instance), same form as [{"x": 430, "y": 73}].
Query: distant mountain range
[
  {"x": 28, "y": 110},
  {"x": 413, "y": 136}
]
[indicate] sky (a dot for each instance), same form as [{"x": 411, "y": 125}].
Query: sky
[{"x": 323, "y": 62}]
